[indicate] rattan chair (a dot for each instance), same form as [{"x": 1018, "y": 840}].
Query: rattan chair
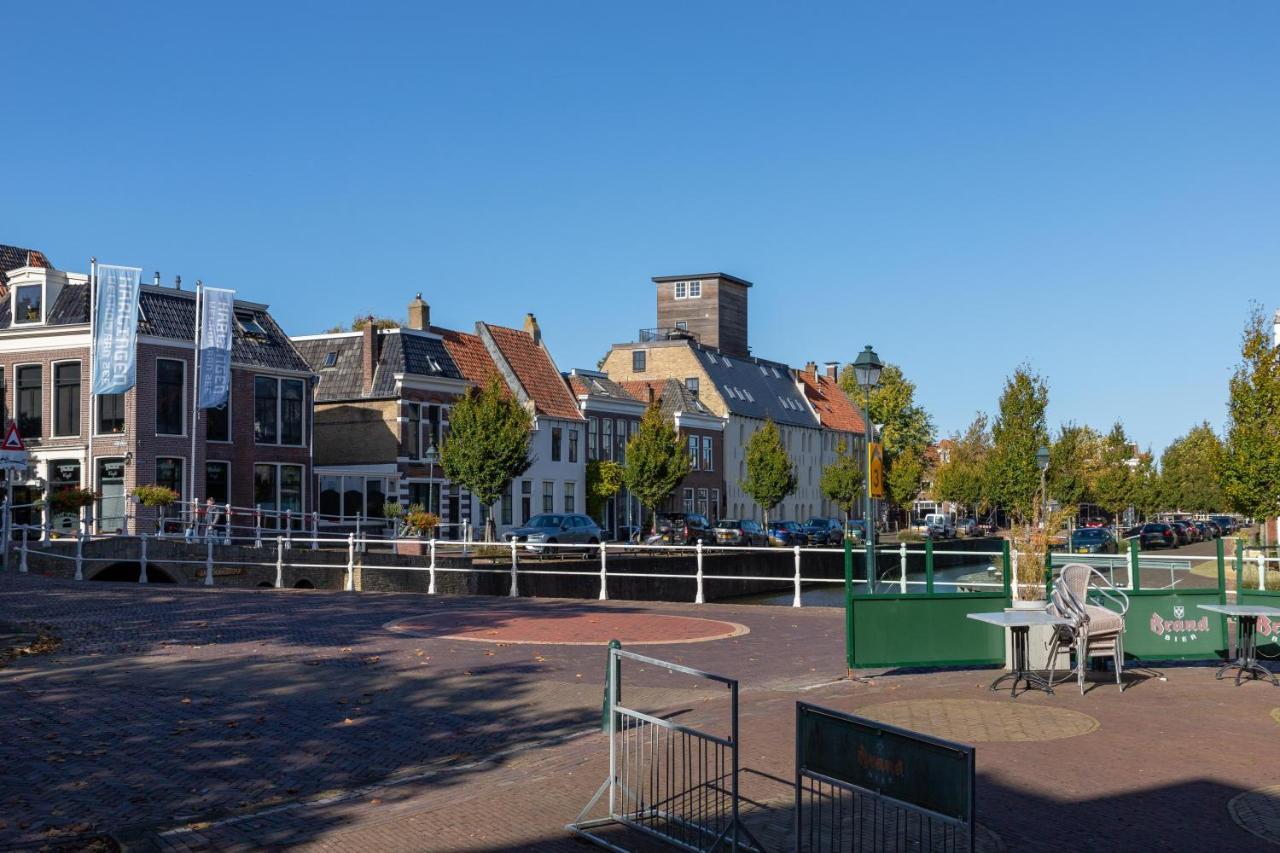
[{"x": 1095, "y": 631}]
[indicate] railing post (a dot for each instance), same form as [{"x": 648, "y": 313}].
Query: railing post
[
  {"x": 1135, "y": 566},
  {"x": 902, "y": 567},
  {"x": 279, "y": 563},
  {"x": 431, "y": 584},
  {"x": 1013, "y": 562},
  {"x": 604, "y": 574},
  {"x": 514, "y": 592},
  {"x": 1006, "y": 569},
  {"x": 358, "y": 517},
  {"x": 288, "y": 527},
  {"x": 46, "y": 529},
  {"x": 795, "y": 597},
  {"x": 351, "y": 562},
  {"x": 315, "y": 530},
  {"x": 698, "y": 598},
  {"x": 160, "y": 522},
  {"x": 227, "y": 524},
  {"x": 257, "y": 527},
  {"x": 928, "y": 566},
  {"x": 142, "y": 556},
  {"x": 22, "y": 563},
  {"x": 79, "y": 555},
  {"x": 1262, "y": 569},
  {"x": 208, "y": 562}
]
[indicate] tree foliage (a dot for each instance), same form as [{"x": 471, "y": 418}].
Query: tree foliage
[
  {"x": 361, "y": 320},
  {"x": 1250, "y": 470},
  {"x": 1189, "y": 472},
  {"x": 488, "y": 443},
  {"x": 841, "y": 481},
  {"x": 1073, "y": 462},
  {"x": 906, "y": 433},
  {"x": 771, "y": 476},
  {"x": 1115, "y": 485},
  {"x": 656, "y": 460},
  {"x": 1019, "y": 431},
  {"x": 962, "y": 478},
  {"x": 604, "y": 480}
]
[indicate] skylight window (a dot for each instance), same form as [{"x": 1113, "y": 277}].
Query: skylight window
[
  {"x": 776, "y": 374},
  {"x": 331, "y": 358},
  {"x": 749, "y": 397},
  {"x": 249, "y": 325},
  {"x": 727, "y": 362},
  {"x": 763, "y": 371}
]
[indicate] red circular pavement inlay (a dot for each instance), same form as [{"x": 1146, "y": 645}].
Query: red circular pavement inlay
[{"x": 573, "y": 629}]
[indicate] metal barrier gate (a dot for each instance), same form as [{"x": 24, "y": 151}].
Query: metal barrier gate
[
  {"x": 866, "y": 786},
  {"x": 668, "y": 780}
]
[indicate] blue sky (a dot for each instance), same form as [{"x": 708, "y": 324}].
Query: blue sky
[{"x": 1089, "y": 188}]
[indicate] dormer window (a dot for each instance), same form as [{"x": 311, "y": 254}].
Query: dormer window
[
  {"x": 249, "y": 325},
  {"x": 331, "y": 358},
  {"x": 28, "y": 304}
]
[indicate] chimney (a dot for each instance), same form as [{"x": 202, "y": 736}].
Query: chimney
[
  {"x": 156, "y": 280},
  {"x": 419, "y": 314},
  {"x": 649, "y": 388},
  {"x": 531, "y": 328},
  {"x": 811, "y": 368},
  {"x": 370, "y": 348},
  {"x": 177, "y": 282},
  {"x": 833, "y": 370}
]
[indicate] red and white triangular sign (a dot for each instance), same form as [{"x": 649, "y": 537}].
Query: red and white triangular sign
[{"x": 12, "y": 440}]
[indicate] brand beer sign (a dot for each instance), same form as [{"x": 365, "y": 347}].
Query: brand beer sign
[
  {"x": 1179, "y": 629},
  {"x": 1268, "y": 628}
]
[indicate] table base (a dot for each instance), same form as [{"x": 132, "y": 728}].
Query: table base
[
  {"x": 1020, "y": 637},
  {"x": 1247, "y": 662}
]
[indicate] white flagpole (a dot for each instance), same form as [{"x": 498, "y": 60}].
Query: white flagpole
[
  {"x": 94, "y": 508},
  {"x": 195, "y": 404}
]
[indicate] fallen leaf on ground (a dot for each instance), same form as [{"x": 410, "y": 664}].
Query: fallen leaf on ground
[{"x": 346, "y": 721}]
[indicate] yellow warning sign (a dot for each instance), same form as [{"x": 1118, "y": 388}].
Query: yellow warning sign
[{"x": 875, "y": 452}]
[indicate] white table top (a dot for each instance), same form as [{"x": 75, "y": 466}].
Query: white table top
[
  {"x": 1241, "y": 609},
  {"x": 1019, "y": 618}
]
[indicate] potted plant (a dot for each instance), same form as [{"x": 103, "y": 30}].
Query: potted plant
[
  {"x": 1031, "y": 545},
  {"x": 419, "y": 524},
  {"x": 156, "y": 497}
]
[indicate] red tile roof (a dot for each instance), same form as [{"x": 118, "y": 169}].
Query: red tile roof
[
  {"x": 639, "y": 388},
  {"x": 536, "y": 372},
  {"x": 835, "y": 410},
  {"x": 471, "y": 356}
]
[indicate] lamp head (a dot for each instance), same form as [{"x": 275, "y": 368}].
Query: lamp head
[{"x": 867, "y": 367}]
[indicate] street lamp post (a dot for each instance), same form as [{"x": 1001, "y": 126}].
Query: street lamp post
[
  {"x": 431, "y": 457},
  {"x": 1042, "y": 461},
  {"x": 866, "y": 368}
]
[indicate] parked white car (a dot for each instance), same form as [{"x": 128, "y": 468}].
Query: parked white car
[{"x": 939, "y": 526}]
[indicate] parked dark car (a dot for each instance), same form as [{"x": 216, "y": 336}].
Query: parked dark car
[
  {"x": 1092, "y": 540},
  {"x": 787, "y": 534},
  {"x": 857, "y": 530},
  {"x": 1185, "y": 532},
  {"x": 966, "y": 527},
  {"x": 678, "y": 528},
  {"x": 1226, "y": 522},
  {"x": 824, "y": 531},
  {"x": 1208, "y": 530},
  {"x": 1157, "y": 534},
  {"x": 744, "y": 531}
]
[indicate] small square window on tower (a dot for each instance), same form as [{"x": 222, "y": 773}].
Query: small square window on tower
[
  {"x": 695, "y": 290},
  {"x": 682, "y": 289},
  {"x": 638, "y": 361}
]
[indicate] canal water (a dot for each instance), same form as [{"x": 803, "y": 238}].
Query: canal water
[{"x": 832, "y": 594}]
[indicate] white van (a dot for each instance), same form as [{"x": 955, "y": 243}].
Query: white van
[{"x": 940, "y": 525}]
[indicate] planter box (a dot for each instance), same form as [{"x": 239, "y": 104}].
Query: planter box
[
  {"x": 413, "y": 547},
  {"x": 1039, "y": 637}
]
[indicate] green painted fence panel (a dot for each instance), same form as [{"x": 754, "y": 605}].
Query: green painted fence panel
[
  {"x": 1164, "y": 625},
  {"x": 914, "y": 630},
  {"x": 1268, "y": 635}
]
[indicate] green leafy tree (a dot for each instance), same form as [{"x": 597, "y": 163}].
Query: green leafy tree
[
  {"x": 1148, "y": 490},
  {"x": 1073, "y": 459},
  {"x": 1189, "y": 471},
  {"x": 656, "y": 461},
  {"x": 604, "y": 480},
  {"x": 1250, "y": 470},
  {"x": 1019, "y": 431},
  {"x": 841, "y": 481},
  {"x": 906, "y": 432},
  {"x": 488, "y": 444},
  {"x": 771, "y": 476},
  {"x": 362, "y": 320},
  {"x": 1115, "y": 484},
  {"x": 961, "y": 479}
]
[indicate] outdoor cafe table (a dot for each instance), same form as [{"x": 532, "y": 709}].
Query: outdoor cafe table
[
  {"x": 1019, "y": 622},
  {"x": 1247, "y": 661}
]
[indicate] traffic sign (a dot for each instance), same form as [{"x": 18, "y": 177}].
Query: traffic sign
[
  {"x": 12, "y": 439},
  {"x": 875, "y": 453}
]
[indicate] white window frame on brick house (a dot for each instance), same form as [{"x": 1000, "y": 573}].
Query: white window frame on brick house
[
  {"x": 302, "y": 488},
  {"x": 226, "y": 462},
  {"x": 708, "y": 454},
  {"x": 692, "y": 443},
  {"x": 570, "y": 497},
  {"x": 95, "y": 417},
  {"x": 593, "y": 425},
  {"x": 279, "y": 381},
  {"x": 182, "y": 473},
  {"x": 182, "y": 407},
  {"x": 687, "y": 502},
  {"x": 16, "y": 410},
  {"x": 548, "y": 497},
  {"x": 13, "y": 311},
  {"x": 53, "y": 398}
]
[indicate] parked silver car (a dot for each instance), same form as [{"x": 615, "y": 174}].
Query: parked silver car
[
  {"x": 967, "y": 527},
  {"x": 554, "y": 528},
  {"x": 740, "y": 532}
]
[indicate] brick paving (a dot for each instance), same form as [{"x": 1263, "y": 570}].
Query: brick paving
[
  {"x": 183, "y": 718},
  {"x": 578, "y": 629}
]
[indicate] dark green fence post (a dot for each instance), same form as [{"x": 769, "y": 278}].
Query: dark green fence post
[
  {"x": 848, "y": 603},
  {"x": 1006, "y": 569},
  {"x": 928, "y": 566},
  {"x": 610, "y": 673},
  {"x": 1222, "y": 582},
  {"x": 1135, "y": 567},
  {"x": 1048, "y": 570}
]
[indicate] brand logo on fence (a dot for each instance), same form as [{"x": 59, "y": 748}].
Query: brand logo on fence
[
  {"x": 1178, "y": 629},
  {"x": 1267, "y": 627}
]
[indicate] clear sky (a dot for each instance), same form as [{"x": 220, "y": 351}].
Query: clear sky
[{"x": 1091, "y": 188}]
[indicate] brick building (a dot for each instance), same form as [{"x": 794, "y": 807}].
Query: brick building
[
  {"x": 383, "y": 403},
  {"x": 256, "y": 451},
  {"x": 613, "y": 417}
]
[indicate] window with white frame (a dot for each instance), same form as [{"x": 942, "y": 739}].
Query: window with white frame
[
  {"x": 169, "y": 473},
  {"x": 570, "y": 494},
  {"x": 548, "y": 496},
  {"x": 688, "y": 501},
  {"x": 28, "y": 304},
  {"x": 707, "y": 463},
  {"x": 171, "y": 379},
  {"x": 606, "y": 439},
  {"x": 66, "y": 398},
  {"x": 693, "y": 453},
  {"x": 695, "y": 290},
  {"x": 682, "y": 289},
  {"x": 278, "y": 405},
  {"x": 217, "y": 481},
  {"x": 592, "y": 426}
]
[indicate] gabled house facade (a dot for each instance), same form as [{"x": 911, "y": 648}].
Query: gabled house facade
[
  {"x": 382, "y": 414},
  {"x": 253, "y": 452},
  {"x": 612, "y": 418},
  {"x": 841, "y": 419}
]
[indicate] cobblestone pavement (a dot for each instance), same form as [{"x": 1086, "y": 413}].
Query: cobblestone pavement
[{"x": 185, "y": 718}]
